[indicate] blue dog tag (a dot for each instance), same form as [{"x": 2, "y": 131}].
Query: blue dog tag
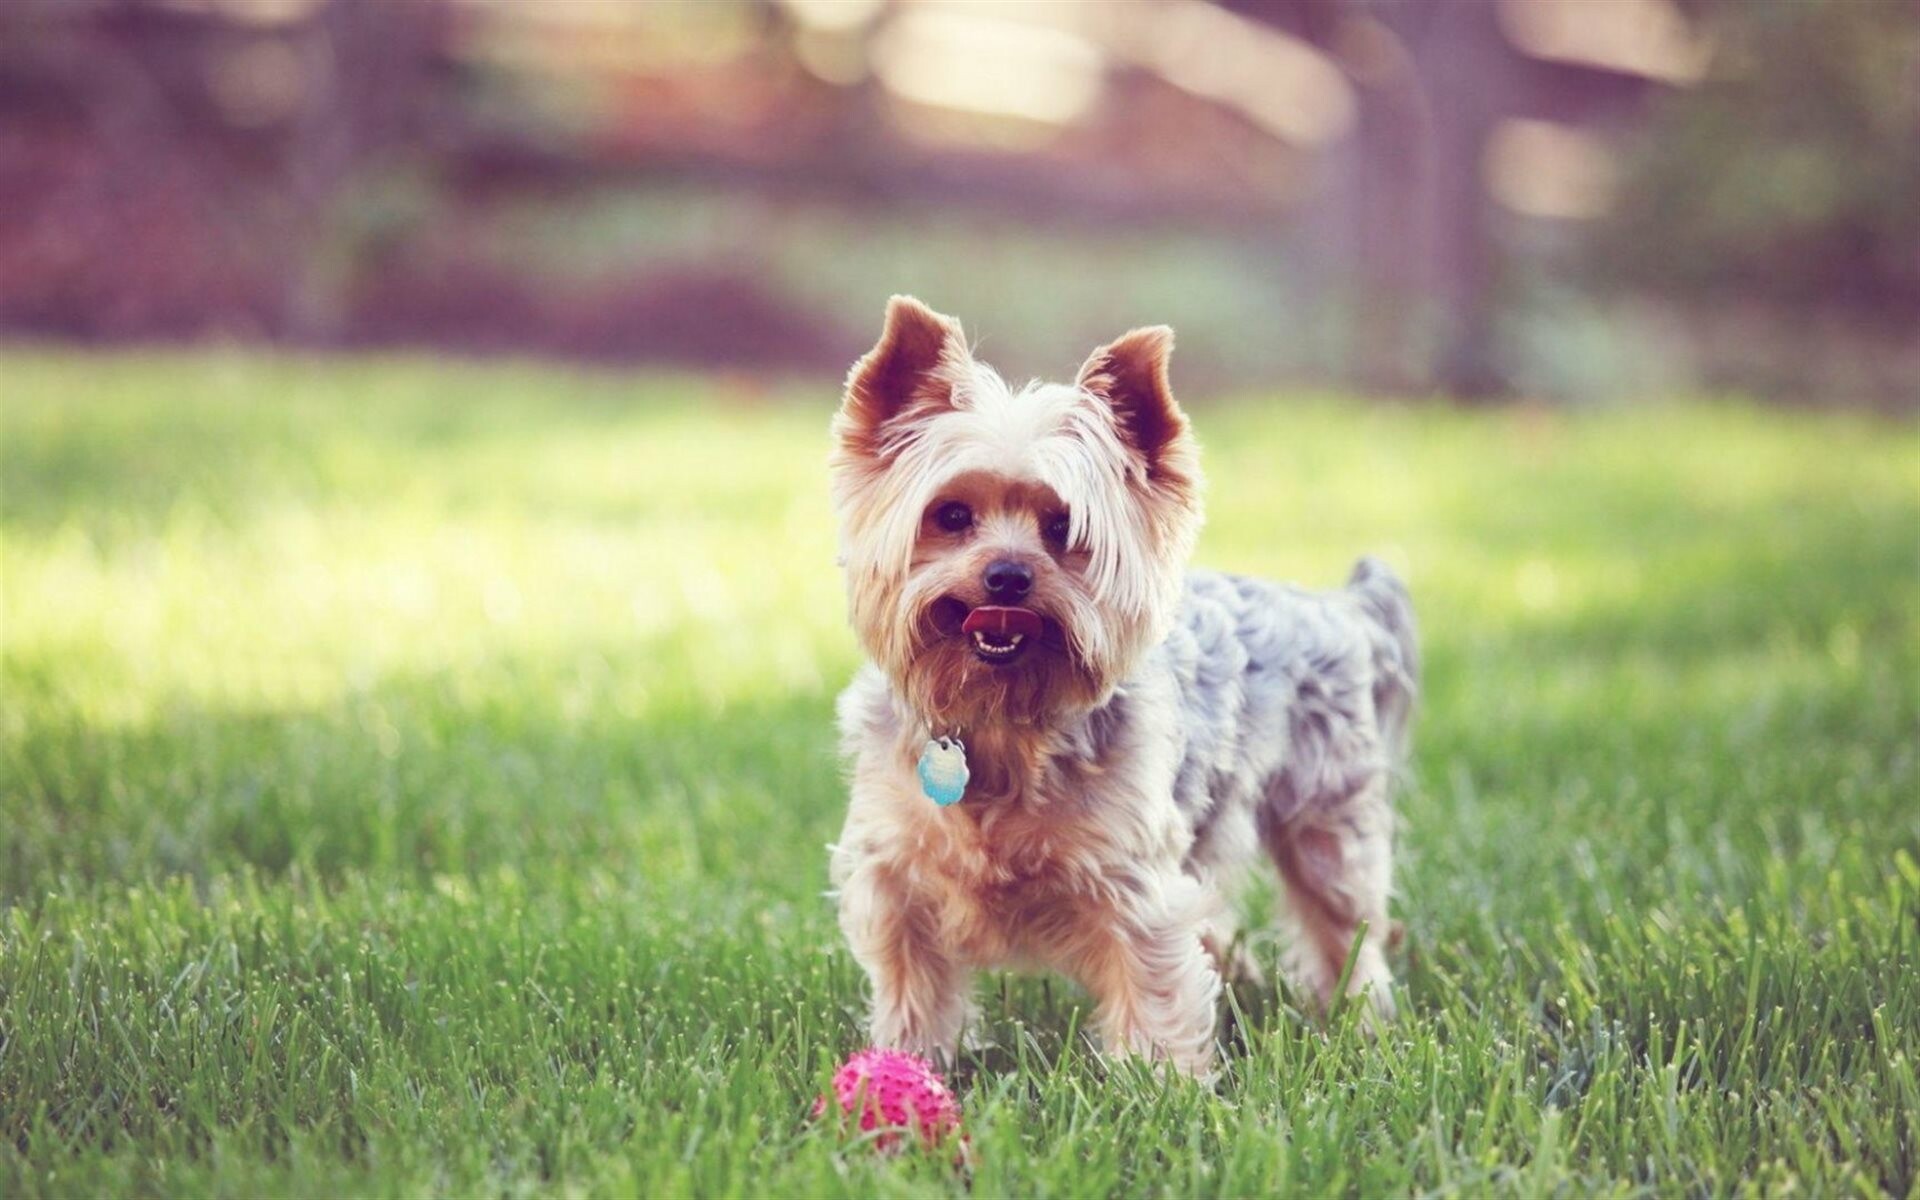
[{"x": 943, "y": 770}]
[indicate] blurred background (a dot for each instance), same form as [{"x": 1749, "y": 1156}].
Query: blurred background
[{"x": 1573, "y": 200}]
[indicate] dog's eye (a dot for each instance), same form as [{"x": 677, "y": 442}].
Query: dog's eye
[
  {"x": 1055, "y": 529},
  {"x": 953, "y": 516}
]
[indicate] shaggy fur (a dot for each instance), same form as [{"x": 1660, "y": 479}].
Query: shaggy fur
[{"x": 1166, "y": 728}]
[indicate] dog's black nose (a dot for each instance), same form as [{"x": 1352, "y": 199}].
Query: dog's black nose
[{"x": 1008, "y": 580}]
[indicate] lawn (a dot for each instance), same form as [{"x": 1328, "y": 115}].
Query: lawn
[{"x": 415, "y": 778}]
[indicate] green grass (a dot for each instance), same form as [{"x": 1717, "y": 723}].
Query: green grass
[{"x": 414, "y": 778}]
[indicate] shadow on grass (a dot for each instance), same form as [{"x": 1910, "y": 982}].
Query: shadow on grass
[{"x": 402, "y": 780}]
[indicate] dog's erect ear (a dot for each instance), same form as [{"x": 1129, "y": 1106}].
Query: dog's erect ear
[
  {"x": 1130, "y": 375},
  {"x": 914, "y": 363}
]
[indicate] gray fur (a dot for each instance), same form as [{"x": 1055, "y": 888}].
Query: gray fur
[{"x": 1285, "y": 697}]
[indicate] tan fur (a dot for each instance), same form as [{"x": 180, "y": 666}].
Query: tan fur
[{"x": 1028, "y": 875}]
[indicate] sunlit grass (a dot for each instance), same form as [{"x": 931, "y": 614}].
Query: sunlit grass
[{"x": 414, "y": 778}]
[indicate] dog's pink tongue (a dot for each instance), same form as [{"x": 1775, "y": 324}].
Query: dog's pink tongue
[{"x": 992, "y": 618}]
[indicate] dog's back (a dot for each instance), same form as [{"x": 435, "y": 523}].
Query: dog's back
[{"x": 1290, "y": 700}]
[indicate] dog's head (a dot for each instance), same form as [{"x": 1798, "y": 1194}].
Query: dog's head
[{"x": 1010, "y": 554}]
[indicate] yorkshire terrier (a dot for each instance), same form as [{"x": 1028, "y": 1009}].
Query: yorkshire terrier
[{"x": 1066, "y": 748}]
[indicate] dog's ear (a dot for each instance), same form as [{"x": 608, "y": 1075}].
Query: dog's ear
[
  {"x": 914, "y": 365},
  {"x": 1130, "y": 376}
]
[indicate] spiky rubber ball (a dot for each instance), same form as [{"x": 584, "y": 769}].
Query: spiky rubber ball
[{"x": 894, "y": 1090}]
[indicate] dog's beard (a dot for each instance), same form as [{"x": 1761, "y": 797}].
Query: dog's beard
[
  {"x": 950, "y": 684},
  {"x": 1076, "y": 661},
  {"x": 953, "y": 689}
]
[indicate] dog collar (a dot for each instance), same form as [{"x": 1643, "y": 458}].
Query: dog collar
[{"x": 943, "y": 770}]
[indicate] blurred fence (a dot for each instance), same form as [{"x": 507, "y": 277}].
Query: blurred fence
[{"x": 1480, "y": 196}]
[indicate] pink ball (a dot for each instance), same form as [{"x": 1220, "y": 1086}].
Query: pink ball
[{"x": 901, "y": 1090}]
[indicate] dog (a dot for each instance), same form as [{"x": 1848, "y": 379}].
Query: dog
[{"x": 1066, "y": 749}]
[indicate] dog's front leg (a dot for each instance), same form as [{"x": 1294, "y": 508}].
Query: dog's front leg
[
  {"x": 920, "y": 990},
  {"x": 1156, "y": 985}
]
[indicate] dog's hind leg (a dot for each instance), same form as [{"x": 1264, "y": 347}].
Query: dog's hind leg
[{"x": 1336, "y": 862}]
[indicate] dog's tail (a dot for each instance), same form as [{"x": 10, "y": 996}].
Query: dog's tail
[{"x": 1396, "y": 648}]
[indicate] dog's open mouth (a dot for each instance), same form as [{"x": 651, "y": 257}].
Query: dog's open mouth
[{"x": 1001, "y": 634}]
